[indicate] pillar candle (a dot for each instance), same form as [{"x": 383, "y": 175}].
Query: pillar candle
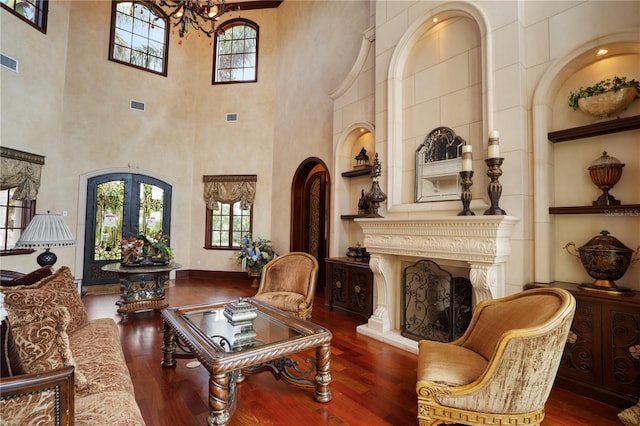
[
  {"x": 467, "y": 159},
  {"x": 494, "y": 144}
]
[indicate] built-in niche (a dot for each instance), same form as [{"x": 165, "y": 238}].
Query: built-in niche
[
  {"x": 436, "y": 79},
  {"x": 572, "y": 191},
  {"x": 354, "y": 159}
]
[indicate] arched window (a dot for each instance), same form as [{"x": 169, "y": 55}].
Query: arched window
[
  {"x": 235, "y": 58},
  {"x": 139, "y": 36},
  {"x": 34, "y": 12}
]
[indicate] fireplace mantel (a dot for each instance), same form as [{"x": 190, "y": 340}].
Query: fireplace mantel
[{"x": 480, "y": 241}]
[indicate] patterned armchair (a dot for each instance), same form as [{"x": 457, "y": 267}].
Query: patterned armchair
[
  {"x": 288, "y": 283},
  {"x": 502, "y": 369}
]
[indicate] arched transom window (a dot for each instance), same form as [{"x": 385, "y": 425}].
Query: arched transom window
[{"x": 235, "y": 58}]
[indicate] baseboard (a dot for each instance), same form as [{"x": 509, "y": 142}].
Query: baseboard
[{"x": 194, "y": 274}]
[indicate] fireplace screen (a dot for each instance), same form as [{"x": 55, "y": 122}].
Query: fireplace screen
[{"x": 436, "y": 305}]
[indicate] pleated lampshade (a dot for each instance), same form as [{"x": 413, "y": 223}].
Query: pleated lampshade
[{"x": 46, "y": 230}]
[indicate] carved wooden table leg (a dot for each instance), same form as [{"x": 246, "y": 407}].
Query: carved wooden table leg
[
  {"x": 323, "y": 373},
  {"x": 219, "y": 394},
  {"x": 168, "y": 348}
]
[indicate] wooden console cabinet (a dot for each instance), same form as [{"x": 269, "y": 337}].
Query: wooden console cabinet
[
  {"x": 601, "y": 359},
  {"x": 349, "y": 287}
]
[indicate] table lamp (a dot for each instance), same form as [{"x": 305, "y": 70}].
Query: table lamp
[{"x": 46, "y": 231}]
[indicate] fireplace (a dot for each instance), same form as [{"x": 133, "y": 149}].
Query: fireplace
[
  {"x": 435, "y": 304},
  {"x": 479, "y": 243}
]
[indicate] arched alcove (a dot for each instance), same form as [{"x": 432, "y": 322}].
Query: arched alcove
[
  {"x": 347, "y": 188},
  {"x": 439, "y": 75},
  {"x": 561, "y": 170}
]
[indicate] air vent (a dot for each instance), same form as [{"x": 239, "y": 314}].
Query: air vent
[
  {"x": 136, "y": 105},
  {"x": 232, "y": 116},
  {"x": 8, "y": 62}
]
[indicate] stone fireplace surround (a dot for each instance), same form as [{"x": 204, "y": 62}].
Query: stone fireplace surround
[{"x": 480, "y": 242}]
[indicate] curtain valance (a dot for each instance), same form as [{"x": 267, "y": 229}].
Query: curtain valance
[
  {"x": 229, "y": 189},
  {"x": 20, "y": 170}
]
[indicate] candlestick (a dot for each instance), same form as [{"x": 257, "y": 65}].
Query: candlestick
[
  {"x": 494, "y": 188},
  {"x": 494, "y": 144},
  {"x": 465, "y": 195},
  {"x": 467, "y": 159}
]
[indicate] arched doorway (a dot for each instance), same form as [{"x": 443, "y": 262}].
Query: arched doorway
[
  {"x": 120, "y": 205},
  {"x": 310, "y": 212}
]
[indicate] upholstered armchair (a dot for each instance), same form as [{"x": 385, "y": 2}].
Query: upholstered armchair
[
  {"x": 288, "y": 282},
  {"x": 502, "y": 368}
]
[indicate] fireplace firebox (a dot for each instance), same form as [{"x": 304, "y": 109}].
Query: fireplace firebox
[{"x": 436, "y": 305}]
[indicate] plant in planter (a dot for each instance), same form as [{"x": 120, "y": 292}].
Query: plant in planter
[
  {"x": 605, "y": 97},
  {"x": 254, "y": 254},
  {"x": 147, "y": 249}
]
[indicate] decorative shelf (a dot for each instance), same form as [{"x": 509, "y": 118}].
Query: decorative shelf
[
  {"x": 620, "y": 210},
  {"x": 359, "y": 172},
  {"x": 596, "y": 129},
  {"x": 358, "y": 216}
]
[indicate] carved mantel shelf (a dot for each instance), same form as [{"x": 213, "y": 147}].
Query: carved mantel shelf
[{"x": 483, "y": 242}]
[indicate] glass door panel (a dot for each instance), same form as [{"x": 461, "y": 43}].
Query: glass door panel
[
  {"x": 108, "y": 219},
  {"x": 119, "y": 206},
  {"x": 151, "y": 209}
]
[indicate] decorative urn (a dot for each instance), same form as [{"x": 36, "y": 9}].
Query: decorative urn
[
  {"x": 605, "y": 259},
  {"x": 605, "y": 172}
]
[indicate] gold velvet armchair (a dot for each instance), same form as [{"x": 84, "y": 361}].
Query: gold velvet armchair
[
  {"x": 501, "y": 370},
  {"x": 288, "y": 283}
]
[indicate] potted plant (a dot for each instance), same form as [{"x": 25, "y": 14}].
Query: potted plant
[
  {"x": 254, "y": 254},
  {"x": 146, "y": 249},
  {"x": 605, "y": 97}
]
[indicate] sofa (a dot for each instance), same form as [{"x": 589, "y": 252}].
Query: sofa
[{"x": 59, "y": 367}]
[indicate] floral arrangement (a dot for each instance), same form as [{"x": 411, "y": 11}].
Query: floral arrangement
[
  {"x": 609, "y": 85},
  {"x": 254, "y": 254},
  {"x": 144, "y": 247}
]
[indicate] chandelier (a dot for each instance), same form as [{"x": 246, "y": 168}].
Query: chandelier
[{"x": 195, "y": 13}]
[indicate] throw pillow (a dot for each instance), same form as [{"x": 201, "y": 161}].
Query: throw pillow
[
  {"x": 30, "y": 278},
  {"x": 43, "y": 344},
  {"x": 23, "y": 303},
  {"x": 10, "y": 363}
]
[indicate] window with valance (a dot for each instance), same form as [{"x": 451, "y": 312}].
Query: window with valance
[
  {"x": 229, "y": 189},
  {"x": 19, "y": 184},
  {"x": 229, "y": 200},
  {"x": 21, "y": 170}
]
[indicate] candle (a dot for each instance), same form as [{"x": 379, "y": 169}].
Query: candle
[
  {"x": 467, "y": 160},
  {"x": 494, "y": 144}
]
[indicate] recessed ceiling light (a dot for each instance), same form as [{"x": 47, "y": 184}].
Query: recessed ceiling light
[
  {"x": 602, "y": 52},
  {"x": 435, "y": 20}
]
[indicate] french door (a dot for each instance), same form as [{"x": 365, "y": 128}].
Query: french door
[{"x": 119, "y": 206}]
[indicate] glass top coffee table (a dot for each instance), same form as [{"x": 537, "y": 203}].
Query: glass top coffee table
[{"x": 248, "y": 338}]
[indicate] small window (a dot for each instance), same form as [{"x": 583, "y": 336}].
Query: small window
[
  {"x": 235, "y": 58},
  {"x": 34, "y": 12},
  {"x": 139, "y": 36},
  {"x": 227, "y": 225},
  {"x": 14, "y": 218}
]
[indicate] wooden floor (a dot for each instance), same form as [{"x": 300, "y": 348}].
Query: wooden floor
[{"x": 372, "y": 383}]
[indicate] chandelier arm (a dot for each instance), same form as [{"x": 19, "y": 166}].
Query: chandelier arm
[{"x": 186, "y": 13}]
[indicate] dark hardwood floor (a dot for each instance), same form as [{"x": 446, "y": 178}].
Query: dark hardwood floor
[{"x": 372, "y": 383}]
